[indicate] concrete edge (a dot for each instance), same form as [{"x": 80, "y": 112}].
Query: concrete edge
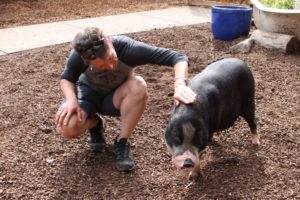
[{"x": 2, "y": 53}]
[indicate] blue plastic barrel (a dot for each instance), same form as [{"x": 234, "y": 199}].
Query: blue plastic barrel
[{"x": 230, "y": 22}]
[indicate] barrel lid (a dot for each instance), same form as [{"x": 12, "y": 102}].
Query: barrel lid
[{"x": 231, "y": 9}]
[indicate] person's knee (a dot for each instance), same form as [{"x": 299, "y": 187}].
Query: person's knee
[
  {"x": 70, "y": 131},
  {"x": 138, "y": 88}
]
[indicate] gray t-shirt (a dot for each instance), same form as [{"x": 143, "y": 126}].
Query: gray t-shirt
[
  {"x": 130, "y": 53},
  {"x": 106, "y": 80}
]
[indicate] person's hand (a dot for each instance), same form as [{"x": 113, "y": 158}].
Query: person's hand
[
  {"x": 183, "y": 94},
  {"x": 65, "y": 112}
]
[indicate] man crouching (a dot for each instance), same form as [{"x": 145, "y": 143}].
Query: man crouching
[{"x": 98, "y": 80}]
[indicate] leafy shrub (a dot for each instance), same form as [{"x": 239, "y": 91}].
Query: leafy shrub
[{"x": 281, "y": 4}]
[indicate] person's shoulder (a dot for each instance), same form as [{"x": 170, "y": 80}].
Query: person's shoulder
[
  {"x": 75, "y": 59},
  {"x": 121, "y": 40},
  {"x": 123, "y": 43},
  {"x": 74, "y": 55}
]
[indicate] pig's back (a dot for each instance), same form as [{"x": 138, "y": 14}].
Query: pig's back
[{"x": 224, "y": 89}]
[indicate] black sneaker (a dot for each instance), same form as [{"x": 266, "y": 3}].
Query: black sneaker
[
  {"x": 124, "y": 160},
  {"x": 97, "y": 142}
]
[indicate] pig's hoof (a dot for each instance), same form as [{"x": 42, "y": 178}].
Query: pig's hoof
[
  {"x": 193, "y": 176},
  {"x": 255, "y": 140}
]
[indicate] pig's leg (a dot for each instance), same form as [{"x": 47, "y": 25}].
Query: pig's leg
[
  {"x": 252, "y": 124},
  {"x": 249, "y": 116},
  {"x": 255, "y": 138},
  {"x": 194, "y": 174}
]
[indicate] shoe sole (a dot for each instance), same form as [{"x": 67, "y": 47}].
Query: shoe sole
[{"x": 125, "y": 170}]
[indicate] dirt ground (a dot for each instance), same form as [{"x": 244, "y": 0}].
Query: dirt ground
[
  {"x": 25, "y": 12},
  {"x": 37, "y": 163}
]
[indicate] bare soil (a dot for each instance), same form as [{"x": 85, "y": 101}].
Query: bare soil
[
  {"x": 26, "y": 12},
  {"x": 38, "y": 163}
]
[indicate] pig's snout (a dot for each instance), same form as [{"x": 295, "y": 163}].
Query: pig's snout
[{"x": 188, "y": 163}]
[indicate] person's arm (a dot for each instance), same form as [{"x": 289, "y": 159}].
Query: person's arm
[
  {"x": 182, "y": 93},
  {"x": 74, "y": 67},
  {"x": 69, "y": 90},
  {"x": 71, "y": 104},
  {"x": 135, "y": 53}
]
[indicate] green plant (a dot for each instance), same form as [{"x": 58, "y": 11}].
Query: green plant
[{"x": 281, "y": 4}]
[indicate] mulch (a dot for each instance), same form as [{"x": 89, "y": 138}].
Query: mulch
[{"x": 38, "y": 163}]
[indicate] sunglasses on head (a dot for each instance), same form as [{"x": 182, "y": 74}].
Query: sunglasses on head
[{"x": 95, "y": 50}]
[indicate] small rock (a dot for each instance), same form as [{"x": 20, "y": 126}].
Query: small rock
[{"x": 49, "y": 160}]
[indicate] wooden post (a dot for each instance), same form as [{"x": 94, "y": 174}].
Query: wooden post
[{"x": 282, "y": 42}]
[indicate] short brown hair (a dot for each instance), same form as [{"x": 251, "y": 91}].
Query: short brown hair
[{"x": 90, "y": 43}]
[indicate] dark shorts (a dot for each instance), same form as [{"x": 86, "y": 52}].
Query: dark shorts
[{"x": 93, "y": 102}]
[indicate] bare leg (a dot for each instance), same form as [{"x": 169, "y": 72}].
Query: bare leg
[
  {"x": 75, "y": 128},
  {"x": 130, "y": 99}
]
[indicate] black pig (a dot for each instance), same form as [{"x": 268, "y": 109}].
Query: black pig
[{"x": 225, "y": 91}]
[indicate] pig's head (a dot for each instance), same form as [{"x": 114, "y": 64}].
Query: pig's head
[{"x": 185, "y": 137}]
